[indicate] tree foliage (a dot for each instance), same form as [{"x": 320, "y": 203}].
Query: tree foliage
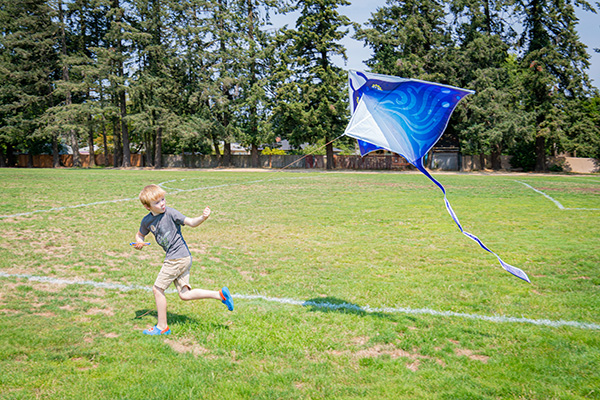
[{"x": 157, "y": 76}]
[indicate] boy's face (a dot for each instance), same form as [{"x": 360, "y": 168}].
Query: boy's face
[{"x": 158, "y": 206}]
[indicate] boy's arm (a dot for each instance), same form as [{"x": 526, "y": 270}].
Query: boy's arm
[
  {"x": 139, "y": 238},
  {"x": 194, "y": 222}
]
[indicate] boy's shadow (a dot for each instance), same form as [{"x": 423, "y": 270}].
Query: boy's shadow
[
  {"x": 333, "y": 304},
  {"x": 179, "y": 319},
  {"x": 172, "y": 317}
]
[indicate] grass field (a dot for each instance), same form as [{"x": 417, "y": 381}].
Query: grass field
[{"x": 291, "y": 246}]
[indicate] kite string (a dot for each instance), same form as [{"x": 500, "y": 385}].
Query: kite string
[{"x": 310, "y": 154}]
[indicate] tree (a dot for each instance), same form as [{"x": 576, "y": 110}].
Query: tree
[
  {"x": 155, "y": 93},
  {"x": 255, "y": 66},
  {"x": 117, "y": 51},
  {"x": 409, "y": 39},
  {"x": 28, "y": 64},
  {"x": 210, "y": 65},
  {"x": 311, "y": 99},
  {"x": 582, "y": 139},
  {"x": 555, "y": 61},
  {"x": 488, "y": 121}
]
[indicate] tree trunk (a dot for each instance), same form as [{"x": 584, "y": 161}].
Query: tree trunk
[
  {"x": 104, "y": 142},
  {"x": 226, "y": 154},
  {"x": 120, "y": 97},
  {"x": 482, "y": 160},
  {"x": 158, "y": 153},
  {"x": 125, "y": 131},
  {"x": 255, "y": 156},
  {"x": 11, "y": 160},
  {"x": 150, "y": 140},
  {"x": 118, "y": 149},
  {"x": 217, "y": 149},
  {"x": 429, "y": 159},
  {"x": 75, "y": 147},
  {"x": 329, "y": 153},
  {"x": 55, "y": 155},
  {"x": 150, "y": 149},
  {"x": 252, "y": 75},
  {"x": 540, "y": 154},
  {"x": 92, "y": 162},
  {"x": 496, "y": 162}
]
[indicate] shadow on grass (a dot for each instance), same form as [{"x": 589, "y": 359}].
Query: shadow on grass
[
  {"x": 178, "y": 319},
  {"x": 171, "y": 317},
  {"x": 333, "y": 304}
]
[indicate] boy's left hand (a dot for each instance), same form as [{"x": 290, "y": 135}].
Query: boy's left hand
[{"x": 194, "y": 222}]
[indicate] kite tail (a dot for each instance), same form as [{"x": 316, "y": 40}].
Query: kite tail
[{"x": 513, "y": 270}]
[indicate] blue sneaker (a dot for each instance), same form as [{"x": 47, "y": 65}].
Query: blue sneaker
[
  {"x": 227, "y": 299},
  {"x": 155, "y": 331}
]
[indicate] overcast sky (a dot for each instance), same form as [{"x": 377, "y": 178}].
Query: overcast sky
[{"x": 360, "y": 11}]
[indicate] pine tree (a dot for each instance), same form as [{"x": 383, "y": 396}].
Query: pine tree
[
  {"x": 312, "y": 101},
  {"x": 409, "y": 39},
  {"x": 554, "y": 63},
  {"x": 118, "y": 49},
  {"x": 255, "y": 66},
  {"x": 28, "y": 64},
  {"x": 155, "y": 94},
  {"x": 211, "y": 61},
  {"x": 488, "y": 121}
]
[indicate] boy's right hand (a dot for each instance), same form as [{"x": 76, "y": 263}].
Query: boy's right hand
[{"x": 139, "y": 245}]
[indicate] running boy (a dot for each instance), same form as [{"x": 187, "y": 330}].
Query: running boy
[{"x": 165, "y": 223}]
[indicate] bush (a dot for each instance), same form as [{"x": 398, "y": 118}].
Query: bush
[
  {"x": 274, "y": 152},
  {"x": 523, "y": 155}
]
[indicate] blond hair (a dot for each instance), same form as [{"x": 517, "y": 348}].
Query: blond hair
[{"x": 151, "y": 193}]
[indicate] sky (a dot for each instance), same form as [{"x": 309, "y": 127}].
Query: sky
[{"x": 360, "y": 11}]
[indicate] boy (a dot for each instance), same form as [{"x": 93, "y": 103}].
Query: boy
[{"x": 165, "y": 223}]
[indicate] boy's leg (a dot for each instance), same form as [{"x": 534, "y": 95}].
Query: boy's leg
[
  {"x": 197, "y": 294},
  {"x": 161, "y": 307},
  {"x": 182, "y": 283},
  {"x": 185, "y": 293}
]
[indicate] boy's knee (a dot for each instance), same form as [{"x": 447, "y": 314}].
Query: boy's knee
[
  {"x": 156, "y": 289},
  {"x": 184, "y": 293}
]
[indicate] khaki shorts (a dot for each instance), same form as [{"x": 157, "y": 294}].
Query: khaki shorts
[{"x": 177, "y": 271}]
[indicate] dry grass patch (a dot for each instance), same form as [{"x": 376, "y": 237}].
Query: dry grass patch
[
  {"x": 385, "y": 350},
  {"x": 95, "y": 311},
  {"x": 471, "y": 355},
  {"x": 188, "y": 346}
]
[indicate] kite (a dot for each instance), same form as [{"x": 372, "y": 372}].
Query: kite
[{"x": 406, "y": 117}]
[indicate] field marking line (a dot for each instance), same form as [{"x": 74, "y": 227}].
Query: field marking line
[
  {"x": 66, "y": 207},
  {"x": 556, "y": 202},
  {"x": 325, "y": 305},
  {"x": 175, "y": 191}
]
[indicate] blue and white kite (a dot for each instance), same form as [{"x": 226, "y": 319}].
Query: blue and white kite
[{"x": 407, "y": 117}]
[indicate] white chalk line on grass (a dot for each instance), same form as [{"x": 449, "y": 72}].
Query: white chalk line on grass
[
  {"x": 560, "y": 206},
  {"x": 65, "y": 208},
  {"x": 326, "y": 305},
  {"x": 175, "y": 191}
]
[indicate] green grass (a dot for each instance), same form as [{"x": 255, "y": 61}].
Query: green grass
[{"x": 368, "y": 239}]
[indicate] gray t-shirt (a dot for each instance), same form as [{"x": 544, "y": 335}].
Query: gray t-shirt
[{"x": 166, "y": 228}]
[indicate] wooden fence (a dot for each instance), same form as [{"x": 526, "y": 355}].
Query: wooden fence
[
  {"x": 370, "y": 162},
  {"x": 444, "y": 161},
  {"x": 66, "y": 160}
]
